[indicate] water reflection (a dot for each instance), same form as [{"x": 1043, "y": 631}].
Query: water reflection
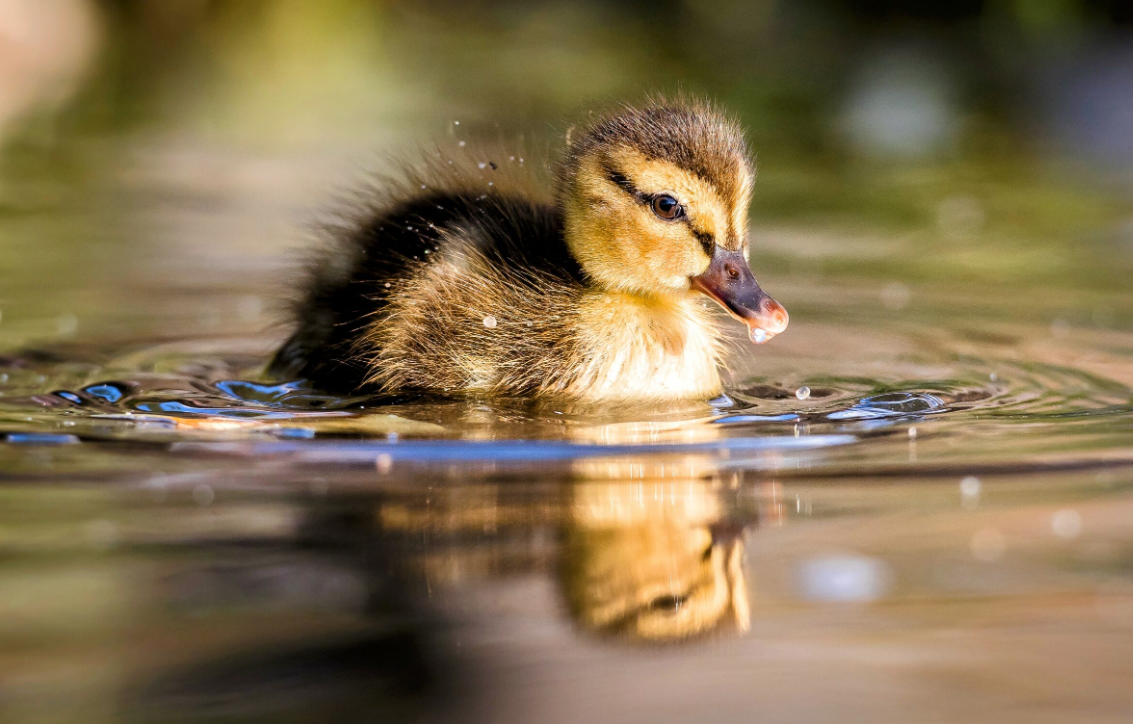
[
  {"x": 377, "y": 586},
  {"x": 651, "y": 560},
  {"x": 655, "y": 560}
]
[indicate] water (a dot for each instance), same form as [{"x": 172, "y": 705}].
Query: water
[
  {"x": 941, "y": 528},
  {"x": 937, "y": 526}
]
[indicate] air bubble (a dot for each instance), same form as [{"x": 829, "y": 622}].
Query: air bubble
[
  {"x": 803, "y": 392},
  {"x": 490, "y": 322}
]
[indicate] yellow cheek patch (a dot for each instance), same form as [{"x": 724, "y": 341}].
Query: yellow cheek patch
[{"x": 724, "y": 219}]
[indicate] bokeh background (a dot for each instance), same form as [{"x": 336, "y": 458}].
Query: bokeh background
[{"x": 962, "y": 151}]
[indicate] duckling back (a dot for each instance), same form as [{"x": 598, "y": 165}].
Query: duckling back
[{"x": 446, "y": 291}]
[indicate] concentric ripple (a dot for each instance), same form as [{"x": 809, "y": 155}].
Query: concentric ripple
[{"x": 166, "y": 397}]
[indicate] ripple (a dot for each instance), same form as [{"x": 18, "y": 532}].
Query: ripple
[{"x": 196, "y": 396}]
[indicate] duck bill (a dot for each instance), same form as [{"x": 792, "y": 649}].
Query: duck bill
[{"x": 730, "y": 282}]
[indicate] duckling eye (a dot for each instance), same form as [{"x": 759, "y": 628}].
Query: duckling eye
[
  {"x": 667, "y": 207},
  {"x": 668, "y": 604}
]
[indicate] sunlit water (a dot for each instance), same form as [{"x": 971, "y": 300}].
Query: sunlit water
[{"x": 933, "y": 537}]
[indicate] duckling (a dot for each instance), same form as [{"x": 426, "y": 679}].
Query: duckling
[{"x": 460, "y": 286}]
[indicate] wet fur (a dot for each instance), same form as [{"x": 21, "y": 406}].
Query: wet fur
[
  {"x": 456, "y": 214},
  {"x": 398, "y": 300}
]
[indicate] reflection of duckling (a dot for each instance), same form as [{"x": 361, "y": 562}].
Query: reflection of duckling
[
  {"x": 653, "y": 561},
  {"x": 465, "y": 287},
  {"x": 648, "y": 560}
]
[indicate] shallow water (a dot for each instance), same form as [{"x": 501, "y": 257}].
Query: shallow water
[{"x": 942, "y": 530}]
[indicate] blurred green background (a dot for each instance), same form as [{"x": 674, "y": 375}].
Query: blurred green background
[{"x": 975, "y": 150}]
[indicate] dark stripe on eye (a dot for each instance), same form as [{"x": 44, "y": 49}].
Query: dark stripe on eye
[
  {"x": 620, "y": 180},
  {"x": 705, "y": 240}
]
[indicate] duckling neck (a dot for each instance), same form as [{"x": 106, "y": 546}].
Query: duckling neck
[{"x": 646, "y": 347}]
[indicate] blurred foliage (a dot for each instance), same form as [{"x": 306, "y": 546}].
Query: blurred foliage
[{"x": 867, "y": 117}]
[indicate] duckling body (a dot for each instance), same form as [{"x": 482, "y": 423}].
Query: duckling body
[{"x": 466, "y": 288}]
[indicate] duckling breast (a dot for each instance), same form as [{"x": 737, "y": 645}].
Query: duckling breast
[{"x": 642, "y": 348}]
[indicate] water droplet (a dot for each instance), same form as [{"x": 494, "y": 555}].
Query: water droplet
[
  {"x": 530, "y": 323},
  {"x": 844, "y": 578},
  {"x": 456, "y": 123},
  {"x": 490, "y": 322},
  {"x": 759, "y": 336},
  {"x": 384, "y": 463},
  {"x": 803, "y": 392},
  {"x": 1066, "y": 524},
  {"x": 423, "y": 187},
  {"x": 912, "y": 433},
  {"x": 970, "y": 492},
  {"x": 462, "y": 144},
  {"x": 482, "y": 165},
  {"x": 387, "y": 285}
]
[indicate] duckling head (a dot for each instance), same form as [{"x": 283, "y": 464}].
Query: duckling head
[{"x": 655, "y": 203}]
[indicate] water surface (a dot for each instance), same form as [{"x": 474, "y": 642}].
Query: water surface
[{"x": 940, "y": 529}]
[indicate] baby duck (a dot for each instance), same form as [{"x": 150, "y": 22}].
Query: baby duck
[{"x": 457, "y": 286}]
